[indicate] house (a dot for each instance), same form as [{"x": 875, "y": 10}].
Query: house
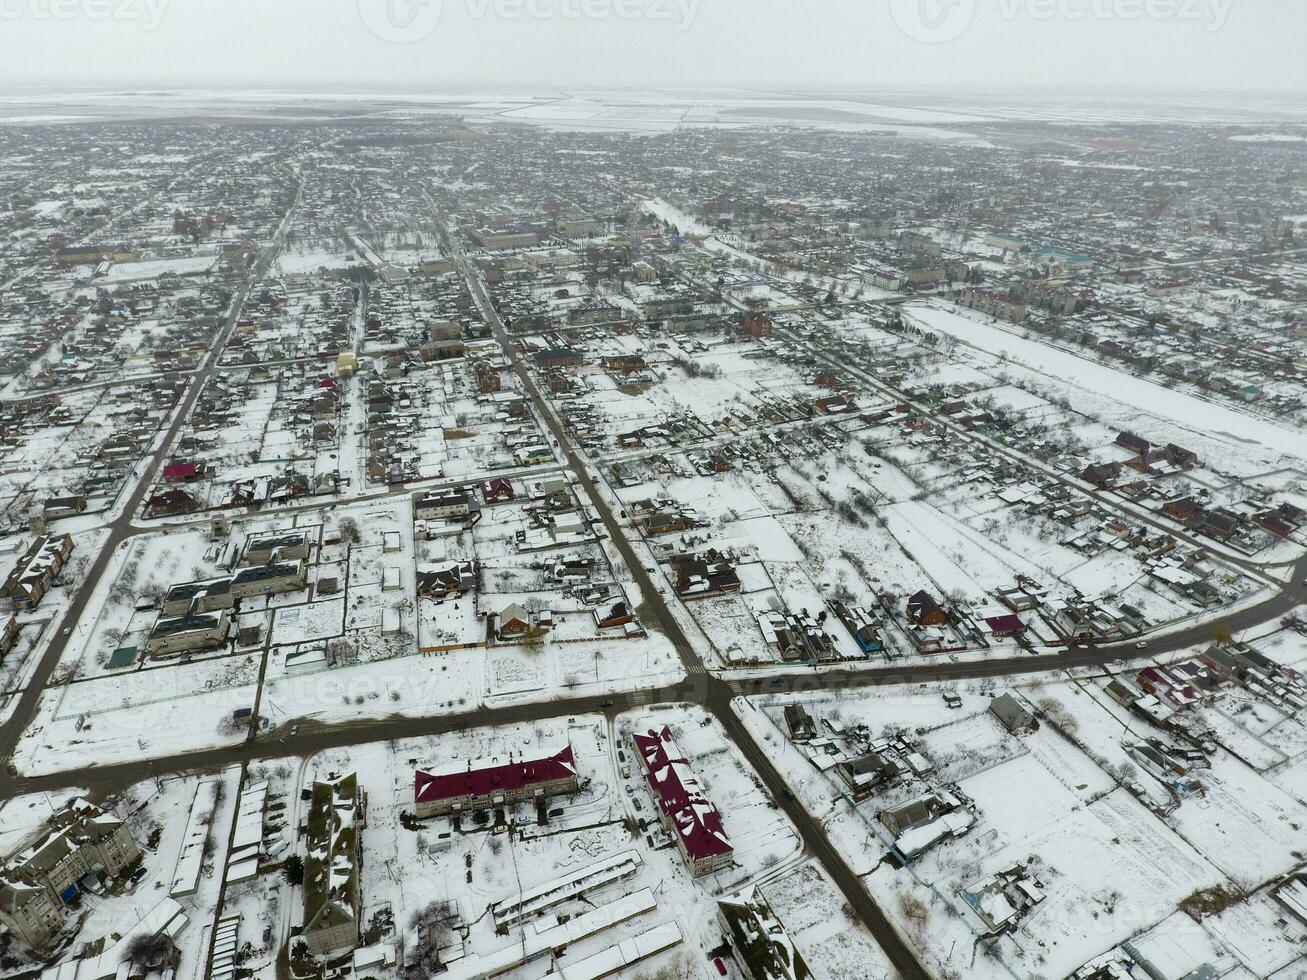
[
  {"x": 863, "y": 774},
  {"x": 1133, "y": 443},
  {"x": 9, "y": 635},
  {"x": 1217, "y": 523},
  {"x": 47, "y": 869},
  {"x": 1182, "y": 509},
  {"x": 994, "y": 304},
  {"x": 514, "y": 621},
  {"x": 618, "y": 614},
  {"x": 1101, "y": 475},
  {"x": 921, "y": 822},
  {"x": 488, "y": 379},
  {"x": 923, "y": 610},
  {"x": 685, "y": 812},
  {"x": 332, "y": 893},
  {"x": 800, "y": 723},
  {"x": 706, "y": 575},
  {"x": 1003, "y": 627},
  {"x": 443, "y": 505},
  {"x": 171, "y": 502},
  {"x": 207, "y": 595},
  {"x": 34, "y": 574},
  {"x": 497, "y": 491},
  {"x": 864, "y": 628},
  {"x": 999, "y": 901},
  {"x": 1022, "y": 597},
  {"x": 57, "y": 507},
  {"x": 447, "y": 579},
  {"x": 1012, "y": 714},
  {"x": 665, "y": 522},
  {"x": 184, "y": 472},
  {"x": 288, "y": 486},
  {"x": 172, "y": 637},
  {"x": 466, "y": 787},
  {"x": 264, "y": 548},
  {"x": 557, "y": 357}
]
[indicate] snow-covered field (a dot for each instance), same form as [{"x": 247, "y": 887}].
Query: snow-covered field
[{"x": 1118, "y": 398}]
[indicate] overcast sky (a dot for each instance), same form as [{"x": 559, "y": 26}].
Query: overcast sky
[{"x": 761, "y": 44}]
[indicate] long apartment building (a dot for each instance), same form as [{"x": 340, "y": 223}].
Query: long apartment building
[
  {"x": 465, "y": 787},
  {"x": 333, "y": 898},
  {"x": 689, "y": 816}
]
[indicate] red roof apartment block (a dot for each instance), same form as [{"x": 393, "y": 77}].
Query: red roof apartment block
[
  {"x": 686, "y": 813},
  {"x": 467, "y": 786}
]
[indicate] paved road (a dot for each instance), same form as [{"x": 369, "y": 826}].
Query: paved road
[{"x": 120, "y": 529}]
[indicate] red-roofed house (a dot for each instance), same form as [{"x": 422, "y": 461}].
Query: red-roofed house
[
  {"x": 468, "y": 786},
  {"x": 496, "y": 490},
  {"x": 1002, "y": 626},
  {"x": 183, "y": 472},
  {"x": 687, "y": 814}
]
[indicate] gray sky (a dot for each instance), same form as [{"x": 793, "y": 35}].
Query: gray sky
[{"x": 763, "y": 44}]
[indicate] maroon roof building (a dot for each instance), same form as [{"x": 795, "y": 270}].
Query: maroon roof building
[
  {"x": 688, "y": 815},
  {"x": 468, "y": 786}
]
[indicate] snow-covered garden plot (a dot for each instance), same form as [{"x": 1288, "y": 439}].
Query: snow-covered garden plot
[
  {"x": 1241, "y": 806},
  {"x": 1098, "y": 390},
  {"x": 1108, "y": 867},
  {"x": 817, "y": 921},
  {"x": 317, "y": 620},
  {"x": 723, "y": 379},
  {"x": 52, "y": 458},
  {"x": 410, "y": 684},
  {"x": 1260, "y": 935},
  {"x": 162, "y": 711},
  {"x": 307, "y": 259}
]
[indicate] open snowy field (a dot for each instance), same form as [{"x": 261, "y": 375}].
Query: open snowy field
[{"x": 1214, "y": 430}]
